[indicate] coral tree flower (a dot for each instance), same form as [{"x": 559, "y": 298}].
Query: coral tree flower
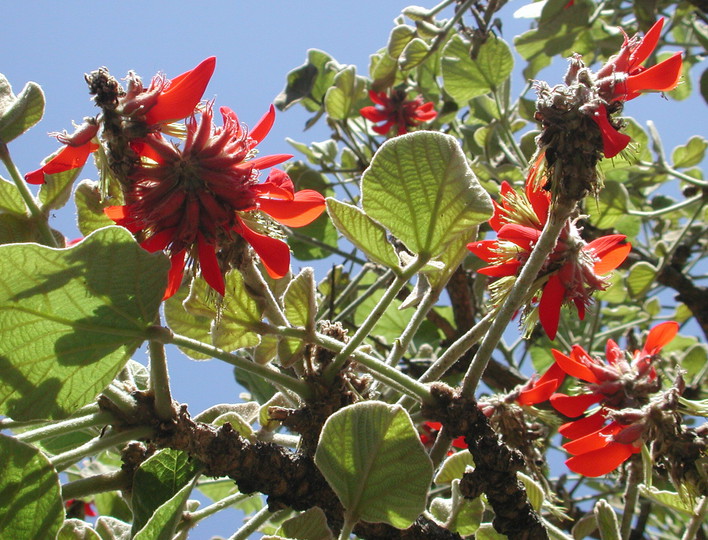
[
  {"x": 624, "y": 78},
  {"x": 622, "y": 383},
  {"x": 189, "y": 200},
  {"x": 394, "y": 110},
  {"x": 163, "y": 102},
  {"x": 430, "y": 433},
  {"x": 571, "y": 273}
]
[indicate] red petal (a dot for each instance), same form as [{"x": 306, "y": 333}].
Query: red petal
[
  {"x": 262, "y": 127},
  {"x": 613, "y": 353},
  {"x": 601, "y": 461},
  {"x": 484, "y": 249},
  {"x": 543, "y": 388},
  {"x": 583, "y": 426},
  {"x": 278, "y": 185},
  {"x": 550, "y": 305},
  {"x": 174, "y": 277},
  {"x": 373, "y": 114},
  {"x": 182, "y": 96},
  {"x": 661, "y": 78},
  {"x": 69, "y": 157},
  {"x": 574, "y": 368},
  {"x": 611, "y": 254},
  {"x": 509, "y": 268},
  {"x": 211, "y": 272},
  {"x": 659, "y": 336},
  {"x": 646, "y": 45},
  {"x": 307, "y": 206},
  {"x": 274, "y": 254},
  {"x": 159, "y": 241},
  {"x": 521, "y": 235},
  {"x": 572, "y": 406},
  {"x": 613, "y": 142},
  {"x": 379, "y": 98},
  {"x": 264, "y": 162}
]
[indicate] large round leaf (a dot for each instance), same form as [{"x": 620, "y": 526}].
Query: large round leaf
[
  {"x": 420, "y": 187},
  {"x": 372, "y": 456},
  {"x": 71, "y": 318}
]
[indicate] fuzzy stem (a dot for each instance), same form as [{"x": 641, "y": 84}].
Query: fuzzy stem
[
  {"x": 363, "y": 296},
  {"x": 401, "y": 344},
  {"x": 194, "y": 517},
  {"x": 66, "y": 426},
  {"x": 697, "y": 520},
  {"x": 631, "y": 496},
  {"x": 258, "y": 519},
  {"x": 121, "y": 399},
  {"x": 442, "y": 443},
  {"x": 334, "y": 303},
  {"x": 160, "y": 381},
  {"x": 39, "y": 217},
  {"x": 347, "y": 529},
  {"x": 546, "y": 242},
  {"x": 272, "y": 310},
  {"x": 363, "y": 331},
  {"x": 99, "y": 483},
  {"x": 299, "y": 387},
  {"x": 66, "y": 459},
  {"x": 318, "y": 243}
]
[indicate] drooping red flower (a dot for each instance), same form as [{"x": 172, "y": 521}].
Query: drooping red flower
[
  {"x": 572, "y": 272},
  {"x": 188, "y": 201},
  {"x": 394, "y": 110},
  {"x": 623, "y": 383},
  {"x": 163, "y": 102}
]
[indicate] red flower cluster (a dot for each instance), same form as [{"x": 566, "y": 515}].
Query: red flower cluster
[
  {"x": 619, "y": 386},
  {"x": 430, "y": 432},
  {"x": 623, "y": 78},
  {"x": 572, "y": 272},
  {"x": 189, "y": 200},
  {"x": 163, "y": 102},
  {"x": 394, "y": 110}
]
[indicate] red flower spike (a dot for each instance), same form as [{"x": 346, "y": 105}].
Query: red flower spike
[
  {"x": 179, "y": 99},
  {"x": 187, "y": 200},
  {"x": 394, "y": 110},
  {"x": 70, "y": 157}
]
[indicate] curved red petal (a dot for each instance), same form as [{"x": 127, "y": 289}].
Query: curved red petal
[
  {"x": 661, "y": 78},
  {"x": 583, "y": 426},
  {"x": 573, "y": 406},
  {"x": 592, "y": 441},
  {"x": 484, "y": 249},
  {"x": 601, "y": 461},
  {"x": 646, "y": 45},
  {"x": 509, "y": 268},
  {"x": 158, "y": 241},
  {"x": 274, "y": 254},
  {"x": 306, "y": 207},
  {"x": 573, "y": 368},
  {"x": 380, "y": 98},
  {"x": 521, "y": 235},
  {"x": 174, "y": 277},
  {"x": 278, "y": 185},
  {"x": 211, "y": 272},
  {"x": 182, "y": 96},
  {"x": 544, "y": 387},
  {"x": 613, "y": 353},
  {"x": 373, "y": 114},
  {"x": 611, "y": 254},
  {"x": 263, "y": 126},
  {"x": 659, "y": 336},
  {"x": 264, "y": 162},
  {"x": 69, "y": 157},
  {"x": 550, "y": 305},
  {"x": 613, "y": 142}
]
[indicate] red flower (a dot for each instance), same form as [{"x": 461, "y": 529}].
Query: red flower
[
  {"x": 573, "y": 270},
  {"x": 165, "y": 101},
  {"x": 78, "y": 147},
  {"x": 623, "y": 77},
  {"x": 395, "y": 110},
  {"x": 540, "y": 390},
  {"x": 622, "y": 384},
  {"x": 79, "y": 509},
  {"x": 189, "y": 200}
]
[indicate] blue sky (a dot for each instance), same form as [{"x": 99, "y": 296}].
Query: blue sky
[{"x": 256, "y": 43}]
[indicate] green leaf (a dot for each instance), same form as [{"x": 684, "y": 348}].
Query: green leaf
[
  {"x": 157, "y": 480},
  {"x": 11, "y": 200},
  {"x": 486, "y": 531},
  {"x": 110, "y": 528},
  {"x": 401, "y": 36},
  {"x": 56, "y": 190},
  {"x": 611, "y": 205},
  {"x": 691, "y": 154},
  {"x": 606, "y": 521},
  {"x": 19, "y": 113},
  {"x": 363, "y": 232},
  {"x": 454, "y": 467},
  {"x": 71, "y": 318},
  {"x": 195, "y": 325},
  {"x": 420, "y": 187},
  {"x": 371, "y": 455},
  {"x": 668, "y": 499},
  {"x": 309, "y": 82},
  {"x": 300, "y": 301},
  {"x": 460, "y": 515},
  {"x": 90, "y": 216},
  {"x": 347, "y": 90},
  {"x": 221, "y": 488},
  {"x": 310, "y": 525},
  {"x": 465, "y": 78},
  {"x": 77, "y": 529},
  {"x": 640, "y": 278},
  {"x": 16, "y": 229},
  {"x": 413, "y": 54},
  {"x": 163, "y": 522},
  {"x": 31, "y": 497},
  {"x": 534, "y": 490}
]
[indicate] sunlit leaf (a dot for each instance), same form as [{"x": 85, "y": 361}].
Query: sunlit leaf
[
  {"x": 162, "y": 523},
  {"x": 310, "y": 525},
  {"x": 19, "y": 113}
]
